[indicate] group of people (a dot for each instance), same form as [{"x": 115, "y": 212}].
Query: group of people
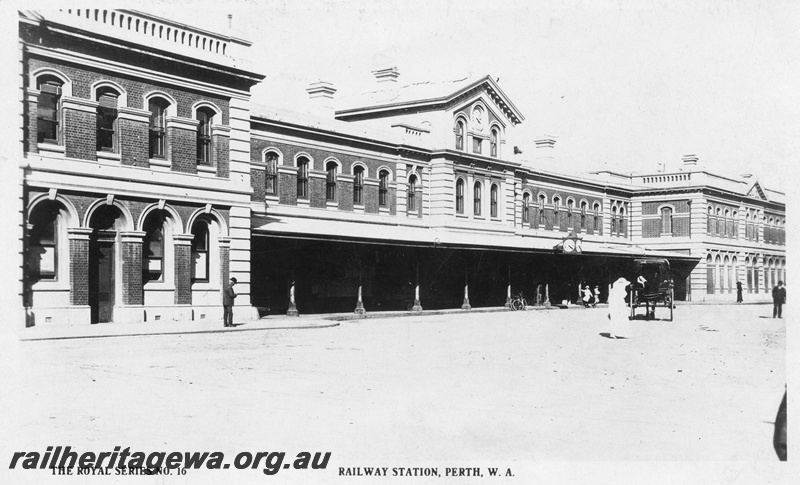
[{"x": 589, "y": 296}]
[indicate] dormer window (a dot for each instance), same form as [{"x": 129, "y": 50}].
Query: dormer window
[{"x": 460, "y": 135}]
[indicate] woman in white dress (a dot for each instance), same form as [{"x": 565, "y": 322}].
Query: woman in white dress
[{"x": 618, "y": 310}]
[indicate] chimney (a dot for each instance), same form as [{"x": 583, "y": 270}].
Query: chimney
[
  {"x": 321, "y": 95},
  {"x": 545, "y": 148},
  {"x": 690, "y": 161},
  {"x": 388, "y": 75}
]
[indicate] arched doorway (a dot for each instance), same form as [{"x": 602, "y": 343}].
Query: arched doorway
[{"x": 102, "y": 263}]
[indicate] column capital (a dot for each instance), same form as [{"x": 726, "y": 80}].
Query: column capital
[
  {"x": 132, "y": 236},
  {"x": 78, "y": 233},
  {"x": 183, "y": 239}
]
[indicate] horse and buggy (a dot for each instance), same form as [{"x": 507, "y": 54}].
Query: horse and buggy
[{"x": 651, "y": 287}]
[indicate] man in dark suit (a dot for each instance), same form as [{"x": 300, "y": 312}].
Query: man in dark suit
[
  {"x": 778, "y": 299},
  {"x": 228, "y": 295}
]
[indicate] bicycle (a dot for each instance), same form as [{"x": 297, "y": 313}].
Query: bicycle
[{"x": 518, "y": 303}]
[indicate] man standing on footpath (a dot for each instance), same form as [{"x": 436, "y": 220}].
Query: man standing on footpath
[
  {"x": 228, "y": 295},
  {"x": 778, "y": 299}
]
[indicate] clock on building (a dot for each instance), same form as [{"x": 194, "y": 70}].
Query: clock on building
[{"x": 572, "y": 244}]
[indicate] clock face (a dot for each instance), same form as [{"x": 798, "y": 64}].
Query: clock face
[
  {"x": 578, "y": 246},
  {"x": 478, "y": 118},
  {"x": 569, "y": 245}
]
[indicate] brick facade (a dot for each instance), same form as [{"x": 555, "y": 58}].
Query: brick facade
[
  {"x": 257, "y": 181},
  {"x": 132, "y": 293},
  {"x": 31, "y": 125},
  {"x": 182, "y": 149},
  {"x": 344, "y": 192},
  {"x": 134, "y": 142},
  {"x": 79, "y": 271},
  {"x": 84, "y": 76},
  {"x": 221, "y": 146},
  {"x": 183, "y": 274},
  {"x": 316, "y": 192},
  {"x": 80, "y": 134},
  {"x": 287, "y": 188}
]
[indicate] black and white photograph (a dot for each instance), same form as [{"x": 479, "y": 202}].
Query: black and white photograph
[{"x": 368, "y": 242}]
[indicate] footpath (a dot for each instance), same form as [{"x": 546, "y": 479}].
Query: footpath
[{"x": 271, "y": 322}]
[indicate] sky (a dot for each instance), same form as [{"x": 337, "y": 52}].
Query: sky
[{"x": 620, "y": 85}]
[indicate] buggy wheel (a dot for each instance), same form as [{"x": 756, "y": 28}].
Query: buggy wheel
[{"x": 516, "y": 305}]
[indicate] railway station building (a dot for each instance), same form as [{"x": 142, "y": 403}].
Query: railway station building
[{"x": 149, "y": 175}]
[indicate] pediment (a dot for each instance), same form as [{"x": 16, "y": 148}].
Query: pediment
[{"x": 755, "y": 191}]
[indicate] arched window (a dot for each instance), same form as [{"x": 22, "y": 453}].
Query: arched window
[
  {"x": 330, "y": 181},
  {"x": 748, "y": 263},
  {"x": 107, "y": 120},
  {"x": 153, "y": 248},
  {"x": 412, "y": 193},
  {"x": 493, "y": 142},
  {"x": 158, "y": 110},
  {"x": 271, "y": 173},
  {"x": 711, "y": 277},
  {"x": 358, "y": 185},
  {"x": 459, "y": 135},
  {"x": 476, "y": 199},
  {"x": 200, "y": 251},
  {"x": 725, "y": 277},
  {"x": 43, "y": 242},
  {"x": 302, "y": 178},
  {"x": 666, "y": 220},
  {"x": 718, "y": 268},
  {"x": 720, "y": 231},
  {"x": 48, "y": 112},
  {"x": 584, "y": 206},
  {"x": 493, "y": 200},
  {"x": 710, "y": 221},
  {"x": 570, "y": 203},
  {"x": 204, "y": 152},
  {"x": 556, "y": 214},
  {"x": 526, "y": 199},
  {"x": 460, "y": 196},
  {"x": 383, "y": 188},
  {"x": 613, "y": 220}
]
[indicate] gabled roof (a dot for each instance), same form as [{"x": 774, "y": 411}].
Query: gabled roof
[
  {"x": 755, "y": 191},
  {"x": 426, "y": 95}
]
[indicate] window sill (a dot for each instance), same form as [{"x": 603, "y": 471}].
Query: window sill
[
  {"x": 109, "y": 157},
  {"x": 204, "y": 287},
  {"x": 51, "y": 149},
  {"x": 360, "y": 208},
  {"x": 160, "y": 162},
  {"x": 206, "y": 169},
  {"x": 383, "y": 210},
  {"x": 332, "y": 204},
  {"x": 159, "y": 286},
  {"x": 272, "y": 198},
  {"x": 303, "y": 203}
]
